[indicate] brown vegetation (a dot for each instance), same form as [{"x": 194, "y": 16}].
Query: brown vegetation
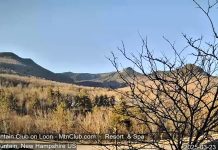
[{"x": 34, "y": 105}]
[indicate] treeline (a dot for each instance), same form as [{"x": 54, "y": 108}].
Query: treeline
[
  {"x": 41, "y": 107},
  {"x": 33, "y": 103},
  {"x": 46, "y": 109}
]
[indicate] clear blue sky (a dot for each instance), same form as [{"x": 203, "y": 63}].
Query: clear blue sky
[{"x": 76, "y": 35}]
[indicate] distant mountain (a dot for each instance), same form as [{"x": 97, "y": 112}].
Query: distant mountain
[
  {"x": 12, "y": 64},
  {"x": 108, "y": 80},
  {"x": 188, "y": 69},
  {"x": 192, "y": 69}
]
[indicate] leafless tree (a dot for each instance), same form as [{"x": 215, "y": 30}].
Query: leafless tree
[{"x": 175, "y": 98}]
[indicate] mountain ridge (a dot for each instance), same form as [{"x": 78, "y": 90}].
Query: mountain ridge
[
  {"x": 110, "y": 79},
  {"x": 13, "y": 64}
]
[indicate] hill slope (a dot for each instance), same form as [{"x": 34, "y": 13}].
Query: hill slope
[
  {"x": 12, "y": 64},
  {"x": 188, "y": 69},
  {"x": 111, "y": 79}
]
